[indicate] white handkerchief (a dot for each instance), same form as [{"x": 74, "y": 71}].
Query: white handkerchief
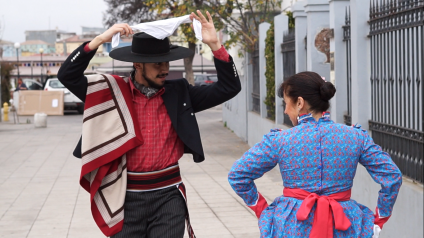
[
  {"x": 197, "y": 26},
  {"x": 162, "y": 28},
  {"x": 377, "y": 231}
]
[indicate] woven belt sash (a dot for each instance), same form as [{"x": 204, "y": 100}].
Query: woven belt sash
[{"x": 149, "y": 181}]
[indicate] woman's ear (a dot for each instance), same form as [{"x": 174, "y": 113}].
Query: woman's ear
[{"x": 300, "y": 103}]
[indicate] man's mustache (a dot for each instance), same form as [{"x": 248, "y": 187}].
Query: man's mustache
[{"x": 161, "y": 75}]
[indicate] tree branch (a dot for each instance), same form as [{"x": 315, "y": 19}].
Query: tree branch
[{"x": 253, "y": 15}]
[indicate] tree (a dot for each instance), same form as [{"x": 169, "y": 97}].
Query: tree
[
  {"x": 241, "y": 25},
  {"x": 241, "y": 19},
  {"x": 270, "y": 72},
  {"x": 6, "y": 69}
]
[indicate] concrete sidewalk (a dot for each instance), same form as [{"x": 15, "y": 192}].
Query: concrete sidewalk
[{"x": 40, "y": 195}]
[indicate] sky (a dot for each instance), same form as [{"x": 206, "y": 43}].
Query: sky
[{"x": 17, "y": 16}]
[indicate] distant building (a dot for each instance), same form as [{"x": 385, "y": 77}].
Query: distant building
[
  {"x": 107, "y": 47},
  {"x": 7, "y": 49},
  {"x": 91, "y": 32},
  {"x": 61, "y": 35},
  {"x": 35, "y": 66},
  {"x": 67, "y": 46},
  {"x": 39, "y": 67},
  {"x": 49, "y": 36},
  {"x": 32, "y": 47},
  {"x": 27, "y": 48}
]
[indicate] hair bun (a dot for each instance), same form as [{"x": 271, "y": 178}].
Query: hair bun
[{"x": 327, "y": 91}]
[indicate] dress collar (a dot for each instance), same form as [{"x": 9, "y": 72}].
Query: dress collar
[{"x": 308, "y": 117}]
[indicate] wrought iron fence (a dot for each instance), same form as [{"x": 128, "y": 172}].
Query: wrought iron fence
[
  {"x": 346, "y": 39},
  {"x": 288, "y": 50},
  {"x": 396, "y": 38},
  {"x": 256, "y": 107}
]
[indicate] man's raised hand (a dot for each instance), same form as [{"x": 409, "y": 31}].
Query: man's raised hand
[
  {"x": 106, "y": 36},
  {"x": 208, "y": 30}
]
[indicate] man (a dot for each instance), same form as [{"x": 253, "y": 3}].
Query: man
[
  {"x": 21, "y": 85},
  {"x": 143, "y": 124}
]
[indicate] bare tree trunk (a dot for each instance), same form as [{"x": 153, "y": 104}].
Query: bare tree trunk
[{"x": 188, "y": 65}]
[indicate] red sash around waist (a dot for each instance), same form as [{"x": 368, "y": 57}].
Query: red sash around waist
[
  {"x": 149, "y": 181},
  {"x": 327, "y": 206}
]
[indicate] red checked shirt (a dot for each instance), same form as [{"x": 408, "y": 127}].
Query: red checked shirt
[{"x": 162, "y": 147}]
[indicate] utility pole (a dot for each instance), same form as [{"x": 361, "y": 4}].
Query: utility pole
[{"x": 17, "y": 46}]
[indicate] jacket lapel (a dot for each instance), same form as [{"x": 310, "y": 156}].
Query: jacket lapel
[{"x": 170, "y": 98}]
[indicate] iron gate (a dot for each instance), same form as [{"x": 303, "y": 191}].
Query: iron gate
[
  {"x": 346, "y": 38},
  {"x": 288, "y": 50},
  {"x": 396, "y": 34},
  {"x": 256, "y": 107}
]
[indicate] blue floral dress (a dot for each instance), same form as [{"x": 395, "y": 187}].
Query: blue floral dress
[{"x": 320, "y": 157}]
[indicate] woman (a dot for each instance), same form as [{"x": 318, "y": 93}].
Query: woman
[{"x": 317, "y": 160}]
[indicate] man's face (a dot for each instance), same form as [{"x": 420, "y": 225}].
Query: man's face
[
  {"x": 19, "y": 81},
  {"x": 152, "y": 74}
]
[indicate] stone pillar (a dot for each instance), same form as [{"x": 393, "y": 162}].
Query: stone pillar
[
  {"x": 263, "y": 28},
  {"x": 361, "y": 86},
  {"x": 281, "y": 25},
  {"x": 300, "y": 35},
  {"x": 248, "y": 74},
  {"x": 318, "y": 47},
  {"x": 338, "y": 65}
]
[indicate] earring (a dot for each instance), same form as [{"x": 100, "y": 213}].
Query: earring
[{"x": 298, "y": 111}]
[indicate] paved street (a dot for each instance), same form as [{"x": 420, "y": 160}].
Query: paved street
[{"x": 40, "y": 195}]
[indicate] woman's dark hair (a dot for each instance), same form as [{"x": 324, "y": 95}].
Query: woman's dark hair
[{"x": 311, "y": 87}]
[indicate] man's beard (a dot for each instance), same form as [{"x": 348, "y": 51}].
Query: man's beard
[{"x": 151, "y": 82}]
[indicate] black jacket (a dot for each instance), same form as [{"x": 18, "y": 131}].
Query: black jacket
[{"x": 181, "y": 99}]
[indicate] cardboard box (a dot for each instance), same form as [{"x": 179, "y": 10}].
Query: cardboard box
[{"x": 35, "y": 101}]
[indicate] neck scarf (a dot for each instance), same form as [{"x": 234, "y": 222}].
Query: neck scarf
[{"x": 147, "y": 91}]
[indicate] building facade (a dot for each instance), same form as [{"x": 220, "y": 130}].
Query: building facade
[
  {"x": 35, "y": 47},
  {"x": 67, "y": 46}
]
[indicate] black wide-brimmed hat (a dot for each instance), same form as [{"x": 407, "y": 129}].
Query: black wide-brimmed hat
[{"x": 147, "y": 49}]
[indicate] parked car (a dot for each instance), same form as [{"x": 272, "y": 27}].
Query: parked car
[
  {"x": 71, "y": 102},
  {"x": 33, "y": 84},
  {"x": 205, "y": 79}
]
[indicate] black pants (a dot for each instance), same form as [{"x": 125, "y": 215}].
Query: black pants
[{"x": 159, "y": 213}]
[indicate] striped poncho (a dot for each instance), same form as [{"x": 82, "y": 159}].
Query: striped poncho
[{"x": 108, "y": 133}]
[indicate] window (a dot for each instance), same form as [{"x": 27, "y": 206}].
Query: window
[
  {"x": 56, "y": 84},
  {"x": 213, "y": 78}
]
